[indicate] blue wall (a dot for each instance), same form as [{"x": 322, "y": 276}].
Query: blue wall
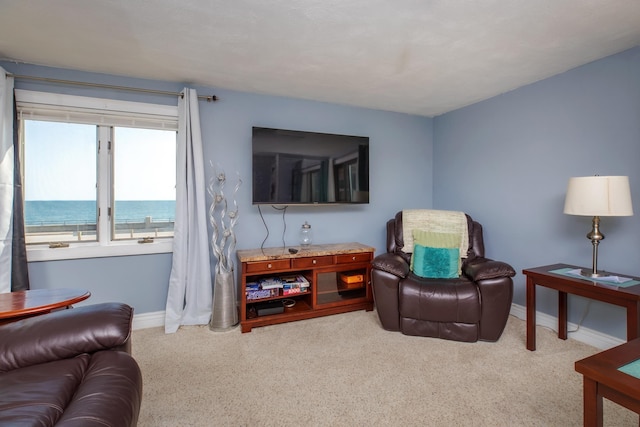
[
  {"x": 507, "y": 162},
  {"x": 400, "y": 152}
]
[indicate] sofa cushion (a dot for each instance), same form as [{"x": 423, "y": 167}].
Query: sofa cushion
[
  {"x": 439, "y": 300},
  {"x": 439, "y": 240},
  {"x": 436, "y": 263},
  {"x": 435, "y": 240},
  {"x": 466, "y": 332},
  {"x": 113, "y": 380},
  {"x": 39, "y": 394},
  {"x": 102, "y": 389}
]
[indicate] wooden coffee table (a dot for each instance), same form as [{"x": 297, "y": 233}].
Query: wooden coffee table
[
  {"x": 602, "y": 378},
  {"x": 18, "y": 305}
]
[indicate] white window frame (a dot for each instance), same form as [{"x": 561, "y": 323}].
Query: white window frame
[{"x": 32, "y": 105}]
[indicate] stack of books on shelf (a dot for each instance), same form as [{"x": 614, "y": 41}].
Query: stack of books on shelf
[
  {"x": 253, "y": 291},
  {"x": 294, "y": 284},
  {"x": 276, "y": 286}
]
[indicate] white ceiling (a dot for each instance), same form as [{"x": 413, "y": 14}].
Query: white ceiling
[{"x": 423, "y": 57}]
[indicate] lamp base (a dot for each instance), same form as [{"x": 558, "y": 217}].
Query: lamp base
[{"x": 589, "y": 273}]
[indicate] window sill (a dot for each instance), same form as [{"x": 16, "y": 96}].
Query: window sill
[{"x": 94, "y": 250}]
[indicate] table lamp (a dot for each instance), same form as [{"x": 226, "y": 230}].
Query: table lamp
[{"x": 598, "y": 196}]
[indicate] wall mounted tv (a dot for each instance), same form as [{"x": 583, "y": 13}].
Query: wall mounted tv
[{"x": 293, "y": 167}]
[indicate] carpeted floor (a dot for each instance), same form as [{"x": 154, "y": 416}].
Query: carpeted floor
[{"x": 345, "y": 370}]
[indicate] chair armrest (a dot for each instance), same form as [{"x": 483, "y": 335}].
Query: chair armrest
[
  {"x": 484, "y": 268},
  {"x": 391, "y": 263},
  {"x": 65, "y": 333}
]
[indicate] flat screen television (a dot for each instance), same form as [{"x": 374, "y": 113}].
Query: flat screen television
[{"x": 291, "y": 167}]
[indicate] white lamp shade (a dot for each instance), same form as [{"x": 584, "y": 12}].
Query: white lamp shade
[{"x": 598, "y": 196}]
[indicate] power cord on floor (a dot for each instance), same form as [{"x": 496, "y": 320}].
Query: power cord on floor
[{"x": 584, "y": 316}]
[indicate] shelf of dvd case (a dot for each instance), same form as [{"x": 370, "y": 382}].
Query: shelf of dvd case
[
  {"x": 251, "y": 297},
  {"x": 280, "y": 286}
]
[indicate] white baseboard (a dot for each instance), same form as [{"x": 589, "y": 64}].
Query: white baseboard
[
  {"x": 148, "y": 320},
  {"x": 585, "y": 335}
]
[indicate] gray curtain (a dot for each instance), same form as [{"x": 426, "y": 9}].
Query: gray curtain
[
  {"x": 19, "y": 270},
  {"x": 6, "y": 179},
  {"x": 190, "y": 294}
]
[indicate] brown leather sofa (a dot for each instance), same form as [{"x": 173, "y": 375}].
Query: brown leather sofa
[
  {"x": 70, "y": 368},
  {"x": 472, "y": 307}
]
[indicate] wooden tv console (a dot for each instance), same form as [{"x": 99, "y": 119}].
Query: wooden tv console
[{"x": 339, "y": 277}]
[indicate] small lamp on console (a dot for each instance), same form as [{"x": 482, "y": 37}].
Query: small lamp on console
[{"x": 598, "y": 196}]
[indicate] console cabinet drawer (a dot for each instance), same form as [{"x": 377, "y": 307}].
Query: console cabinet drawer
[
  {"x": 310, "y": 262},
  {"x": 265, "y": 266},
  {"x": 346, "y": 258}
]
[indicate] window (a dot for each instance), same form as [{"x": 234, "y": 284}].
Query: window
[
  {"x": 99, "y": 176},
  {"x": 144, "y": 183},
  {"x": 60, "y": 190}
]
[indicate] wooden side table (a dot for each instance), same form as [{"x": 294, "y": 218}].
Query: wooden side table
[
  {"x": 628, "y": 297},
  {"x": 602, "y": 378},
  {"x": 18, "y": 305}
]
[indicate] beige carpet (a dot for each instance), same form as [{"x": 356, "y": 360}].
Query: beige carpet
[{"x": 345, "y": 370}]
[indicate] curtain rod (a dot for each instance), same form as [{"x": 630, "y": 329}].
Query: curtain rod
[{"x": 208, "y": 98}]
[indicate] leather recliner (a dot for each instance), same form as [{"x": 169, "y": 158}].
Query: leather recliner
[
  {"x": 70, "y": 368},
  {"x": 475, "y": 306}
]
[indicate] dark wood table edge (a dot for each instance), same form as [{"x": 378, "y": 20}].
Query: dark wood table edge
[
  {"x": 13, "y": 315},
  {"x": 602, "y": 379}
]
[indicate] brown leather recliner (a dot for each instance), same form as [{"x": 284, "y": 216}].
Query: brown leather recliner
[
  {"x": 70, "y": 368},
  {"x": 472, "y": 307}
]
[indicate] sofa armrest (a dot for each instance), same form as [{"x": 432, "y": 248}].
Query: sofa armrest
[
  {"x": 484, "y": 268},
  {"x": 65, "y": 333},
  {"x": 391, "y": 263}
]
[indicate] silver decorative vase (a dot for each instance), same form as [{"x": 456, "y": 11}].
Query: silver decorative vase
[{"x": 225, "y": 311}]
